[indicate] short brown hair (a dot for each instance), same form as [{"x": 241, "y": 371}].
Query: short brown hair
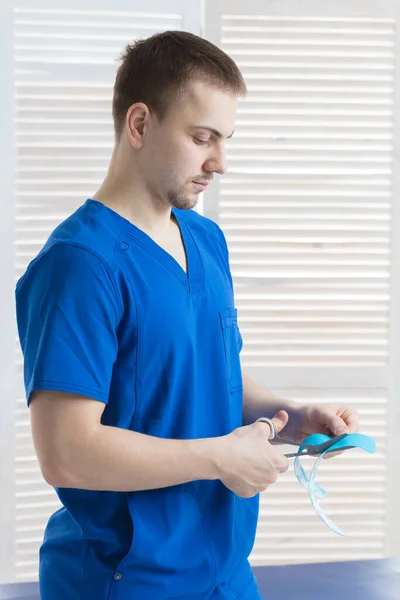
[{"x": 156, "y": 69}]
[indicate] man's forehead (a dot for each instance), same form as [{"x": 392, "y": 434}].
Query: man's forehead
[
  {"x": 208, "y": 107},
  {"x": 201, "y": 93}
]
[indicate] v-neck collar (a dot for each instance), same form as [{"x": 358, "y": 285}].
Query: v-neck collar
[{"x": 193, "y": 280}]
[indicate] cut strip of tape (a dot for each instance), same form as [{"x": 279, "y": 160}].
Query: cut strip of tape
[{"x": 317, "y": 492}]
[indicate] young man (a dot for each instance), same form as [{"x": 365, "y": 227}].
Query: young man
[{"x": 142, "y": 418}]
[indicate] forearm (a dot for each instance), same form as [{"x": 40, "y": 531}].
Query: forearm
[
  {"x": 258, "y": 401},
  {"x": 121, "y": 460}
]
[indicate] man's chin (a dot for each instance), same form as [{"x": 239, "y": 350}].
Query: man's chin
[{"x": 185, "y": 202}]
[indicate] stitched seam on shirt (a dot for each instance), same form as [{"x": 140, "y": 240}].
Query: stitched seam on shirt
[
  {"x": 221, "y": 243},
  {"x": 208, "y": 233},
  {"x": 199, "y": 503},
  {"x": 105, "y": 265},
  {"x": 138, "y": 355},
  {"x": 114, "y": 264},
  {"x": 70, "y": 387},
  {"x": 84, "y": 578},
  {"x": 239, "y": 596},
  {"x": 102, "y": 260},
  {"x": 161, "y": 256},
  {"x": 116, "y": 247}
]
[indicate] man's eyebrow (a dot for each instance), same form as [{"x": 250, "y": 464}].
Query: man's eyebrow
[{"x": 214, "y": 131}]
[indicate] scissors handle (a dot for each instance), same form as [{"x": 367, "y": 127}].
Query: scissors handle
[{"x": 275, "y": 436}]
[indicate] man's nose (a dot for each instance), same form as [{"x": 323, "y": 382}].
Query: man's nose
[{"x": 217, "y": 163}]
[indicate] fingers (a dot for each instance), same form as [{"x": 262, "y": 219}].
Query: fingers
[
  {"x": 280, "y": 420},
  {"x": 283, "y": 464},
  {"x": 344, "y": 421},
  {"x": 337, "y": 426},
  {"x": 350, "y": 417}
]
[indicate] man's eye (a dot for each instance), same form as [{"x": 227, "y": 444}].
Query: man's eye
[{"x": 199, "y": 141}]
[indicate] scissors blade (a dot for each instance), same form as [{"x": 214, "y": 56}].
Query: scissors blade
[
  {"x": 310, "y": 450},
  {"x": 313, "y": 453},
  {"x": 292, "y": 443}
]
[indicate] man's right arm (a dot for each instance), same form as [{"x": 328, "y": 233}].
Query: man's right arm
[{"x": 75, "y": 450}]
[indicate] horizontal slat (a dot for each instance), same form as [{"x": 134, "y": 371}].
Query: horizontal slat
[
  {"x": 74, "y": 20},
  {"x": 308, "y": 525},
  {"x": 309, "y": 184},
  {"x": 313, "y": 162},
  {"x": 313, "y": 360},
  {"x": 36, "y": 12},
  {"x": 304, "y": 255},
  {"x": 38, "y": 505},
  {"x": 305, "y": 133},
  {"x": 305, "y": 38},
  {"x": 311, "y": 20},
  {"x": 279, "y": 558},
  {"x": 290, "y": 108},
  {"x": 275, "y": 26},
  {"x": 248, "y": 64}
]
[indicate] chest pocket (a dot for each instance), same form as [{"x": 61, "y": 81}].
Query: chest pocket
[{"x": 233, "y": 345}]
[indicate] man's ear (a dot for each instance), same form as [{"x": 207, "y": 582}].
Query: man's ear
[{"x": 136, "y": 123}]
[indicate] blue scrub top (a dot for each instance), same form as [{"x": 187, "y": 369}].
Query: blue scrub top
[{"x": 105, "y": 312}]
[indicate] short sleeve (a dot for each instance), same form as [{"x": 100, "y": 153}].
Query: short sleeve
[{"x": 67, "y": 318}]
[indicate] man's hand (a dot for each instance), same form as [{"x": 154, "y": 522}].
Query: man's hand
[
  {"x": 248, "y": 463},
  {"x": 320, "y": 418}
]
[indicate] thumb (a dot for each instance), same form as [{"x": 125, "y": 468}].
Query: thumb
[
  {"x": 338, "y": 426},
  {"x": 280, "y": 420}
]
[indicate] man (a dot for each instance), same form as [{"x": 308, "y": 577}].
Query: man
[{"x": 142, "y": 418}]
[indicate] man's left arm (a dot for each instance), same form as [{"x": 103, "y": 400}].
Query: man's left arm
[
  {"x": 258, "y": 401},
  {"x": 304, "y": 419}
]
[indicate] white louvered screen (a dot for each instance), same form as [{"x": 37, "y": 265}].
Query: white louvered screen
[
  {"x": 306, "y": 208},
  {"x": 65, "y": 64}
]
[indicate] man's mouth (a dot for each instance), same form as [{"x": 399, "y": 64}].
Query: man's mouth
[{"x": 201, "y": 184}]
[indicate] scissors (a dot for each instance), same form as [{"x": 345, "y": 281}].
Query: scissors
[{"x": 307, "y": 449}]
